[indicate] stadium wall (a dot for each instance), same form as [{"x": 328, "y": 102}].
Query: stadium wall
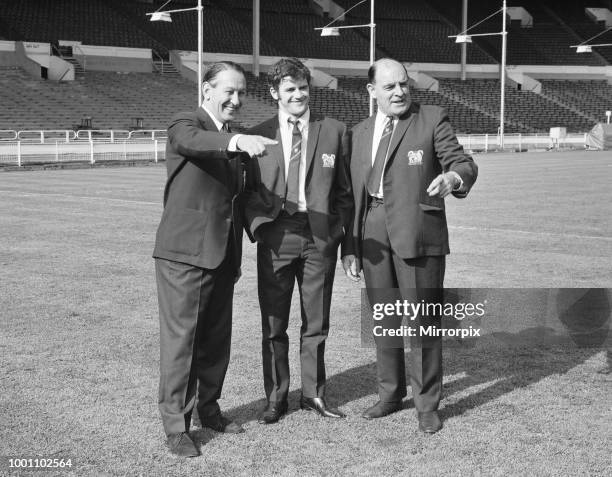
[
  {"x": 7, "y": 53},
  {"x": 112, "y": 58},
  {"x": 435, "y": 70},
  {"x": 28, "y": 61}
]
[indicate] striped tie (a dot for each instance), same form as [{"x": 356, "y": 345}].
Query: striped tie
[
  {"x": 293, "y": 176},
  {"x": 381, "y": 156}
]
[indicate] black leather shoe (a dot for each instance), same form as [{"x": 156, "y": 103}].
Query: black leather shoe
[
  {"x": 318, "y": 404},
  {"x": 382, "y": 409},
  {"x": 181, "y": 445},
  {"x": 272, "y": 412},
  {"x": 429, "y": 422},
  {"x": 220, "y": 423}
]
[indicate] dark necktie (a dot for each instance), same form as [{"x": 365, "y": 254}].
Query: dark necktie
[
  {"x": 293, "y": 175},
  {"x": 381, "y": 155}
]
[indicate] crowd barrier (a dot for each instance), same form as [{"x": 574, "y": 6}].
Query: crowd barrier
[
  {"x": 36, "y": 147},
  {"x": 520, "y": 142},
  {"x": 57, "y": 146}
]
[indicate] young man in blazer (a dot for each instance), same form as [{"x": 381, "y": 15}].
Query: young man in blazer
[
  {"x": 405, "y": 160},
  {"x": 298, "y": 213},
  {"x": 197, "y": 255}
]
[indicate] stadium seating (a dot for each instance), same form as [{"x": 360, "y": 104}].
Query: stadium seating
[
  {"x": 556, "y": 26},
  {"x": 530, "y": 111},
  {"x": 112, "y": 100},
  {"x": 465, "y": 118},
  {"x": 415, "y": 31},
  {"x": 93, "y": 22},
  {"x": 593, "y": 98},
  {"x": 221, "y": 31},
  {"x": 392, "y": 9}
]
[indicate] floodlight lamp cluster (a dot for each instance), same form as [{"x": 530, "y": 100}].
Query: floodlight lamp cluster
[
  {"x": 161, "y": 17},
  {"x": 463, "y": 39},
  {"x": 330, "y": 31},
  {"x": 587, "y": 47}
]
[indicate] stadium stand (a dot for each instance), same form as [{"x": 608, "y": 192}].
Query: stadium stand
[
  {"x": 421, "y": 41},
  {"x": 221, "y": 30},
  {"x": 112, "y": 100},
  {"x": 546, "y": 43},
  {"x": 415, "y": 31},
  {"x": 295, "y": 31},
  {"x": 466, "y": 117},
  {"x": 534, "y": 112},
  {"x": 591, "y": 97},
  {"x": 93, "y": 22}
]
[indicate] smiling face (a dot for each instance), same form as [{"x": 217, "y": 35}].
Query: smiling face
[
  {"x": 390, "y": 88},
  {"x": 224, "y": 94},
  {"x": 292, "y": 96}
]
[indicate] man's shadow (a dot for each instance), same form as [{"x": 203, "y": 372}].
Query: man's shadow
[
  {"x": 518, "y": 360},
  {"x": 496, "y": 364}
]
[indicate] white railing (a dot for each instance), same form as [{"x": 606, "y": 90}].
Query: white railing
[
  {"x": 62, "y": 146},
  {"x": 68, "y": 135},
  {"x": 92, "y": 150},
  {"x": 520, "y": 142}
]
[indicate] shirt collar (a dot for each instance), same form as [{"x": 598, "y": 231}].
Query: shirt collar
[
  {"x": 381, "y": 118},
  {"x": 303, "y": 119},
  {"x": 218, "y": 123}
]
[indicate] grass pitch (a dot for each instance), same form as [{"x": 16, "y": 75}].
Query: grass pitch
[{"x": 79, "y": 337}]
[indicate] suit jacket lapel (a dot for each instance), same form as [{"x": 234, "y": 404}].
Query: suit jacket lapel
[
  {"x": 277, "y": 151},
  {"x": 400, "y": 130},
  {"x": 366, "y": 150},
  {"x": 206, "y": 121},
  {"x": 313, "y": 136}
]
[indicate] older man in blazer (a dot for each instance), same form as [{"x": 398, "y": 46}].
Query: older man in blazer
[
  {"x": 197, "y": 255},
  {"x": 298, "y": 214},
  {"x": 405, "y": 160}
]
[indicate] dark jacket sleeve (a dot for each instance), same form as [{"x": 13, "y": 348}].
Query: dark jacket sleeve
[
  {"x": 187, "y": 138},
  {"x": 343, "y": 194},
  {"x": 452, "y": 156}
]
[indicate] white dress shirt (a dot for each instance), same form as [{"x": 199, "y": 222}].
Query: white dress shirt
[
  {"x": 286, "y": 131},
  {"x": 231, "y": 147}
]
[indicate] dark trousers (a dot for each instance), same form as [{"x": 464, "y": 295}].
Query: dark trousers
[
  {"x": 286, "y": 252},
  {"x": 417, "y": 279},
  {"x": 195, "y": 317}
]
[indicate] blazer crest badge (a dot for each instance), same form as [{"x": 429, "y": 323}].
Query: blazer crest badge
[
  {"x": 415, "y": 158},
  {"x": 329, "y": 160}
]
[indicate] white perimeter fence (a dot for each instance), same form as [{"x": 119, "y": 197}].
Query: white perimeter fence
[
  {"x": 43, "y": 147},
  {"x": 37, "y": 147},
  {"x": 520, "y": 142}
]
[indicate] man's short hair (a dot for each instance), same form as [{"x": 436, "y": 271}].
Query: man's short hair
[
  {"x": 288, "y": 67},
  {"x": 373, "y": 66},
  {"x": 213, "y": 70}
]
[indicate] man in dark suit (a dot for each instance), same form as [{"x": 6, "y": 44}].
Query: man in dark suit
[
  {"x": 198, "y": 252},
  {"x": 405, "y": 160},
  {"x": 298, "y": 215}
]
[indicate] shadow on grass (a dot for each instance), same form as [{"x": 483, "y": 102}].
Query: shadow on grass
[
  {"x": 495, "y": 365},
  {"x": 503, "y": 362},
  {"x": 341, "y": 388}
]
